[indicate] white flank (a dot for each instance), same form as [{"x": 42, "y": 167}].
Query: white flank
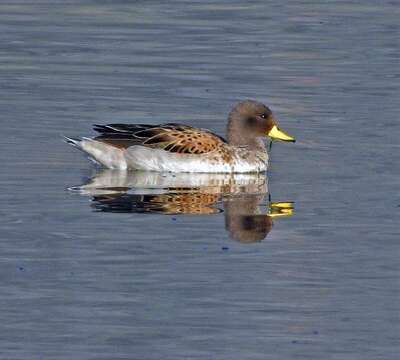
[{"x": 143, "y": 158}]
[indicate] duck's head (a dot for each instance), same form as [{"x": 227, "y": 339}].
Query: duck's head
[{"x": 250, "y": 120}]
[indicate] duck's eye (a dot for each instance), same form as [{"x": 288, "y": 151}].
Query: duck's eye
[{"x": 264, "y": 116}]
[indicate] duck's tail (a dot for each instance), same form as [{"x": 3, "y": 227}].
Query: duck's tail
[
  {"x": 100, "y": 152},
  {"x": 73, "y": 141}
]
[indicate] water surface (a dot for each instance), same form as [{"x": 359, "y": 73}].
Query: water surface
[{"x": 81, "y": 282}]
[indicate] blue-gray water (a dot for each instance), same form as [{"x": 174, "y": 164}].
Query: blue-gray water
[{"x": 78, "y": 282}]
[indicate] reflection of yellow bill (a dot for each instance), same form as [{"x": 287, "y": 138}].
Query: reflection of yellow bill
[{"x": 277, "y": 209}]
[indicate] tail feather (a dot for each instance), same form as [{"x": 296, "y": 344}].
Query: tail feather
[
  {"x": 100, "y": 152},
  {"x": 72, "y": 141}
]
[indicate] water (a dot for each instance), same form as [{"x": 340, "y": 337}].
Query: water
[{"x": 124, "y": 274}]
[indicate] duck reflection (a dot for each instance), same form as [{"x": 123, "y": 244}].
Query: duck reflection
[{"x": 241, "y": 197}]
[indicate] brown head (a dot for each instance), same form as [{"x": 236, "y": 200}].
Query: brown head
[{"x": 249, "y": 121}]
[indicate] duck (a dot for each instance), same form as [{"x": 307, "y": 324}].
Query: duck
[{"x": 176, "y": 148}]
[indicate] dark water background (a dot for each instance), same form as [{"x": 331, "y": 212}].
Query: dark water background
[{"x": 81, "y": 284}]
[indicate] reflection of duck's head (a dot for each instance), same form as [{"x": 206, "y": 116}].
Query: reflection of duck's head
[
  {"x": 151, "y": 192},
  {"x": 243, "y": 219}
]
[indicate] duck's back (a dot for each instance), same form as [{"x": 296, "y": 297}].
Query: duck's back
[{"x": 170, "y": 137}]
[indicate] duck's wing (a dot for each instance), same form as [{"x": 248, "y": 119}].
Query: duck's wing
[{"x": 170, "y": 137}]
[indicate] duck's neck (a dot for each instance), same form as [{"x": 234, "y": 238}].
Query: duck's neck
[{"x": 237, "y": 136}]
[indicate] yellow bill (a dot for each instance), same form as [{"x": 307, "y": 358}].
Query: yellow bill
[{"x": 276, "y": 133}]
